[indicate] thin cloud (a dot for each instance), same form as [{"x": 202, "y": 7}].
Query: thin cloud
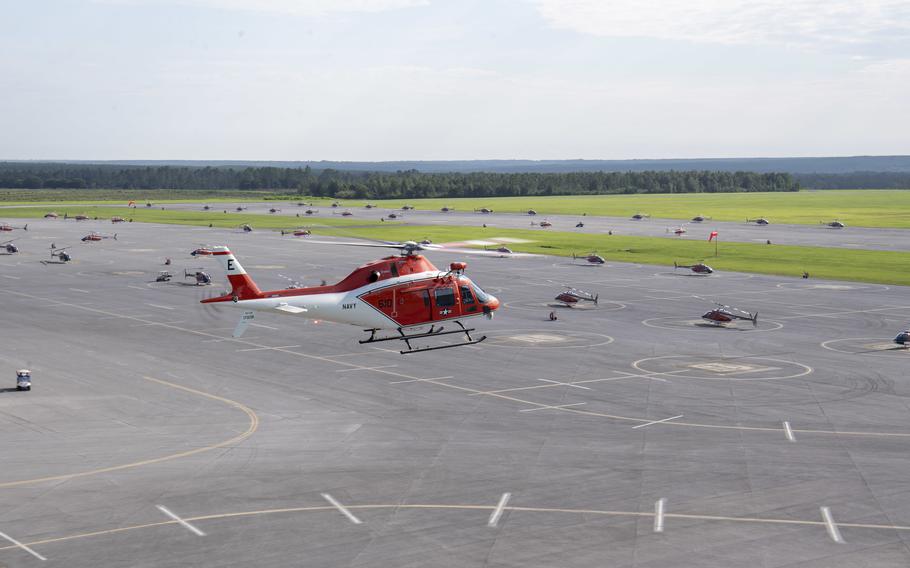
[
  {"x": 780, "y": 22},
  {"x": 300, "y": 7}
]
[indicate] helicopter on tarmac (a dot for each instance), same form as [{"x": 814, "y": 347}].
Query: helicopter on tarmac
[
  {"x": 591, "y": 257},
  {"x": 447, "y": 209},
  {"x": 311, "y": 211},
  {"x": 532, "y": 212},
  {"x": 346, "y": 213},
  {"x": 51, "y": 215},
  {"x": 697, "y": 268},
  {"x": 246, "y": 228},
  {"x": 579, "y": 225},
  {"x": 95, "y": 236},
  {"x": 80, "y": 217},
  {"x": 400, "y": 293},
  {"x": 835, "y": 224},
  {"x": 573, "y": 295},
  {"x": 61, "y": 254},
  {"x": 240, "y": 208},
  {"x": 9, "y": 247},
  {"x": 407, "y": 207},
  {"x": 722, "y": 315},
  {"x": 274, "y": 210},
  {"x": 298, "y": 232},
  {"x": 116, "y": 219},
  {"x": 678, "y": 231},
  {"x": 903, "y": 338},
  {"x": 369, "y": 206},
  {"x": 201, "y": 251},
  {"x": 206, "y": 207},
  {"x": 483, "y": 210},
  {"x": 7, "y": 227},
  {"x": 543, "y": 224},
  {"x": 759, "y": 221},
  {"x": 641, "y": 216},
  {"x": 202, "y": 278},
  {"x": 394, "y": 215},
  {"x": 700, "y": 219}
]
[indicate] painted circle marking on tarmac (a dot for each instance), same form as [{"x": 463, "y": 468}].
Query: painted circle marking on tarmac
[
  {"x": 865, "y": 346},
  {"x": 741, "y": 326},
  {"x": 728, "y": 369},
  {"x": 546, "y": 339}
]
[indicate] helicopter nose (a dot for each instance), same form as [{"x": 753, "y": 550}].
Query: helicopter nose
[{"x": 493, "y": 304}]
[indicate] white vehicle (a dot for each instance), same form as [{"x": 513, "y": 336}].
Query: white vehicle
[{"x": 23, "y": 380}]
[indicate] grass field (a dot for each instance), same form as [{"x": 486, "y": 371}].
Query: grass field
[
  {"x": 183, "y": 217},
  {"x": 860, "y": 208},
  {"x": 885, "y": 267}
]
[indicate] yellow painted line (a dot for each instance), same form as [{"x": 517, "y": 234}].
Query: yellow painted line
[
  {"x": 449, "y": 507},
  {"x": 253, "y": 426}
]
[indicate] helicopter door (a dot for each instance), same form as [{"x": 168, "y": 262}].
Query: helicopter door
[
  {"x": 445, "y": 303},
  {"x": 412, "y": 307}
]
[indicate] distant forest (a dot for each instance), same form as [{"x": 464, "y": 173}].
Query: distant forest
[{"x": 380, "y": 185}]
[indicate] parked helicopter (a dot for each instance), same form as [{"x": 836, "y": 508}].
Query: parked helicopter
[
  {"x": 532, "y": 212},
  {"x": 722, "y": 315},
  {"x": 758, "y": 221},
  {"x": 407, "y": 207},
  {"x": 201, "y": 251},
  {"x": 202, "y": 278},
  {"x": 573, "y": 295},
  {"x": 95, "y": 237},
  {"x": 700, "y": 219},
  {"x": 246, "y": 228},
  {"x": 206, "y": 207},
  {"x": 346, "y": 213},
  {"x": 579, "y": 225},
  {"x": 336, "y": 204},
  {"x": 483, "y": 210},
  {"x": 835, "y": 224},
  {"x": 311, "y": 211},
  {"x": 240, "y": 208},
  {"x": 903, "y": 338},
  {"x": 591, "y": 257},
  {"x": 298, "y": 232},
  {"x": 80, "y": 217},
  {"x": 447, "y": 209},
  {"x": 698, "y": 268},
  {"x": 7, "y": 227},
  {"x": 678, "y": 231},
  {"x": 400, "y": 293},
  {"x": 164, "y": 276},
  {"x": 640, "y": 216},
  {"x": 369, "y": 206},
  {"x": 274, "y": 210},
  {"x": 61, "y": 254},
  {"x": 544, "y": 224},
  {"x": 394, "y": 215},
  {"x": 10, "y": 247},
  {"x": 51, "y": 215},
  {"x": 116, "y": 219}
]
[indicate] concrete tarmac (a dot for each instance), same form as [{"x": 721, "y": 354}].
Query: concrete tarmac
[{"x": 630, "y": 433}]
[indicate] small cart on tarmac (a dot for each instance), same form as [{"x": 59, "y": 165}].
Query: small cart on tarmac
[{"x": 23, "y": 380}]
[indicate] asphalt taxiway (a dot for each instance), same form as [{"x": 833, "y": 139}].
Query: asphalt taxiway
[{"x": 623, "y": 434}]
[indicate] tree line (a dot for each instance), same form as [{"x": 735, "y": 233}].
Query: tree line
[{"x": 381, "y": 185}]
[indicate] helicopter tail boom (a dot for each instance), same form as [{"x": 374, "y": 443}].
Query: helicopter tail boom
[{"x": 242, "y": 286}]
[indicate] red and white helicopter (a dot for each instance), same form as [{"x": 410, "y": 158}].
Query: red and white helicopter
[
  {"x": 96, "y": 236},
  {"x": 5, "y": 227},
  {"x": 400, "y": 293}
]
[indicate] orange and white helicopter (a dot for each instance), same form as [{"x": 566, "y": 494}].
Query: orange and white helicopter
[
  {"x": 401, "y": 293},
  {"x": 95, "y": 236},
  {"x": 7, "y": 227}
]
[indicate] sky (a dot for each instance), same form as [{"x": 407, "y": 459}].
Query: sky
[{"x": 373, "y": 80}]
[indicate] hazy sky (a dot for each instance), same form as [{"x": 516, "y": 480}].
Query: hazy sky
[{"x": 458, "y": 79}]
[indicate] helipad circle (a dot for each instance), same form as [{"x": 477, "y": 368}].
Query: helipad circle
[
  {"x": 742, "y": 326},
  {"x": 865, "y": 345},
  {"x": 745, "y": 368},
  {"x": 546, "y": 338}
]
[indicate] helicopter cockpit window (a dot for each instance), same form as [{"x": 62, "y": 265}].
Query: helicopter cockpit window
[
  {"x": 481, "y": 296},
  {"x": 467, "y": 298},
  {"x": 393, "y": 267},
  {"x": 445, "y": 297}
]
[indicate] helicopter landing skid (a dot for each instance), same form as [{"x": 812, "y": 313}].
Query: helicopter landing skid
[{"x": 433, "y": 332}]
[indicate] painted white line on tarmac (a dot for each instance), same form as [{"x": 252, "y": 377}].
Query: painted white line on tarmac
[
  {"x": 565, "y": 384},
  {"x": 22, "y": 546},
  {"x": 659, "y": 507},
  {"x": 268, "y": 348},
  {"x": 657, "y": 421},
  {"x": 265, "y": 326},
  {"x": 11, "y": 277},
  {"x": 136, "y": 287},
  {"x": 497, "y": 512},
  {"x": 789, "y": 431},
  {"x": 552, "y": 406},
  {"x": 365, "y": 368},
  {"x": 341, "y": 508},
  {"x": 160, "y": 306},
  {"x": 183, "y": 523},
  {"x": 419, "y": 380},
  {"x": 833, "y": 531},
  {"x": 80, "y": 290}
]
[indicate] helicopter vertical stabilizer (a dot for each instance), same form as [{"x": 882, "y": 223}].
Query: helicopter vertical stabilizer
[{"x": 242, "y": 286}]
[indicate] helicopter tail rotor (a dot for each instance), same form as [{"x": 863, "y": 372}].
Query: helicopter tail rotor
[{"x": 755, "y": 319}]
